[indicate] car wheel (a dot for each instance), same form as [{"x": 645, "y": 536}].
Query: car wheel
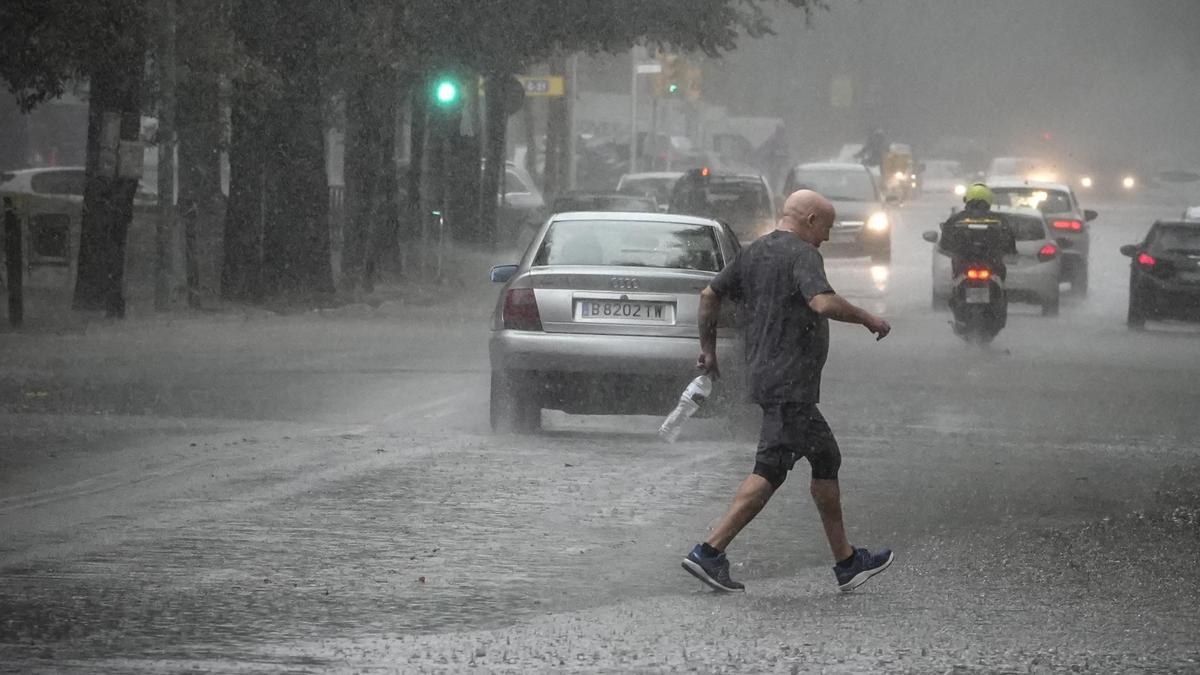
[
  {"x": 1079, "y": 282},
  {"x": 1050, "y": 307},
  {"x": 512, "y": 406}
]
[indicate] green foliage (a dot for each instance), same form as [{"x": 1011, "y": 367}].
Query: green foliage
[{"x": 47, "y": 44}]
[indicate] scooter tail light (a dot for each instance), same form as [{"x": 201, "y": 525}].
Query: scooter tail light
[
  {"x": 521, "y": 310},
  {"x": 979, "y": 274},
  {"x": 1047, "y": 252},
  {"x": 1073, "y": 225}
]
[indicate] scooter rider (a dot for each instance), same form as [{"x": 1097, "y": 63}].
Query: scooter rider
[{"x": 977, "y": 234}]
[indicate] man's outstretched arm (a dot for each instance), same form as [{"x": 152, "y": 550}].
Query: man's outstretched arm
[{"x": 833, "y": 306}]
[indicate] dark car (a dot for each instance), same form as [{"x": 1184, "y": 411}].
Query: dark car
[
  {"x": 743, "y": 201},
  {"x": 1164, "y": 276},
  {"x": 1064, "y": 217},
  {"x": 603, "y": 201},
  {"x": 863, "y": 225}
]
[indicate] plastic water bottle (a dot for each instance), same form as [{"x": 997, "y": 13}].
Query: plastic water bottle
[{"x": 691, "y": 400}]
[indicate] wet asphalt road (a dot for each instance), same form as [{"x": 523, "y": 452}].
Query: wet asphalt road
[{"x": 320, "y": 493}]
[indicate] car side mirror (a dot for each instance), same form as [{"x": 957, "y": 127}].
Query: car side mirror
[
  {"x": 1129, "y": 250},
  {"x": 502, "y": 273},
  {"x": 1090, "y": 215},
  {"x": 930, "y": 236}
]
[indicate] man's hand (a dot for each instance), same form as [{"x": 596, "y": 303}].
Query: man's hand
[
  {"x": 877, "y": 326},
  {"x": 707, "y": 364}
]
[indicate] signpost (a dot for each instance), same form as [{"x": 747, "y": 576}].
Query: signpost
[{"x": 550, "y": 86}]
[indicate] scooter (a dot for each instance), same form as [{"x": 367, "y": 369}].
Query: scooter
[{"x": 978, "y": 302}]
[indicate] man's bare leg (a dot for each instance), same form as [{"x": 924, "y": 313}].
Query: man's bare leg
[
  {"x": 751, "y": 496},
  {"x": 828, "y": 497}
]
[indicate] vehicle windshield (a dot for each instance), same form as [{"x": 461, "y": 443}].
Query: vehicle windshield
[
  {"x": 1176, "y": 239},
  {"x": 943, "y": 170},
  {"x": 630, "y": 243},
  {"x": 836, "y": 184},
  {"x": 1046, "y": 201}
]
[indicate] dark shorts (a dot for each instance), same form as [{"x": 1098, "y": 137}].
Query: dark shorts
[{"x": 794, "y": 430}]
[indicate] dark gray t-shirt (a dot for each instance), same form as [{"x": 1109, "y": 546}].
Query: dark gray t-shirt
[{"x": 771, "y": 281}]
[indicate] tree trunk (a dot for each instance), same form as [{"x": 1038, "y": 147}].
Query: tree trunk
[
  {"x": 496, "y": 123},
  {"x": 113, "y": 167},
  {"x": 164, "y": 268},
  {"x": 241, "y": 272},
  {"x": 370, "y": 175},
  {"x": 200, "y": 126}
]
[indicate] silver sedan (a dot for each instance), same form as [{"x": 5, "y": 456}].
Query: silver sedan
[{"x": 600, "y": 316}]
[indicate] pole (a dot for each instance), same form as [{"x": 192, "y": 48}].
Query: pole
[
  {"x": 573, "y": 125},
  {"x": 14, "y": 265},
  {"x": 633, "y": 82}
]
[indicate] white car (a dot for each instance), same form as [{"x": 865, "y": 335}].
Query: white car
[
  {"x": 657, "y": 184},
  {"x": 942, "y": 175},
  {"x": 1033, "y": 274},
  {"x": 1191, "y": 213}
]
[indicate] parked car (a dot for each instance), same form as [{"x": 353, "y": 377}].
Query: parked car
[
  {"x": 943, "y": 176},
  {"x": 600, "y": 316},
  {"x": 1065, "y": 219},
  {"x": 51, "y": 204},
  {"x": 743, "y": 201},
  {"x": 863, "y": 226},
  {"x": 1164, "y": 275},
  {"x": 603, "y": 201},
  {"x": 655, "y": 183},
  {"x": 1032, "y": 274}
]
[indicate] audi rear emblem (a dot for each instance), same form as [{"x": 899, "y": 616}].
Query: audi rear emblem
[{"x": 624, "y": 283}]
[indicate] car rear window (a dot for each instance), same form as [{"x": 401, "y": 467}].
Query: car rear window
[
  {"x": 629, "y": 243},
  {"x": 740, "y": 203},
  {"x": 1046, "y": 201},
  {"x": 58, "y": 182},
  {"x": 1176, "y": 239},
  {"x": 844, "y": 185},
  {"x": 603, "y": 203}
]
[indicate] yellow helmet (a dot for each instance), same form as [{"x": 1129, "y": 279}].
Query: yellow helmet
[{"x": 978, "y": 192}]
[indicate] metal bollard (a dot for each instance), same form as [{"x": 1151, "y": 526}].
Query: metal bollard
[{"x": 15, "y": 264}]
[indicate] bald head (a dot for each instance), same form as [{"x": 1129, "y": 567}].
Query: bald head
[{"x": 808, "y": 215}]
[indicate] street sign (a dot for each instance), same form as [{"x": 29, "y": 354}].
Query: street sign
[
  {"x": 543, "y": 85},
  {"x": 649, "y": 68}
]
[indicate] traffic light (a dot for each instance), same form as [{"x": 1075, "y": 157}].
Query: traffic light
[
  {"x": 446, "y": 92},
  {"x": 669, "y": 81}
]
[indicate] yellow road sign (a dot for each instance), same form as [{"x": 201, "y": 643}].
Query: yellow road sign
[{"x": 543, "y": 85}]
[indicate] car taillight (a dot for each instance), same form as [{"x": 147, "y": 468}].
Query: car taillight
[
  {"x": 1073, "y": 225},
  {"x": 1047, "y": 252},
  {"x": 1146, "y": 260},
  {"x": 979, "y": 274},
  {"x": 521, "y": 310}
]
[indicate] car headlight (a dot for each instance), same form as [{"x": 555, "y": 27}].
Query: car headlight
[
  {"x": 878, "y": 221},
  {"x": 1086, "y": 181},
  {"x": 960, "y": 189},
  {"x": 1128, "y": 182}
]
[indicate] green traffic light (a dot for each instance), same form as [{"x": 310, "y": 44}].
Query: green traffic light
[
  {"x": 673, "y": 88},
  {"x": 446, "y": 92}
]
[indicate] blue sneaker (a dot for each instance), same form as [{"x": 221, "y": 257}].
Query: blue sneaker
[
  {"x": 712, "y": 570},
  {"x": 865, "y": 566}
]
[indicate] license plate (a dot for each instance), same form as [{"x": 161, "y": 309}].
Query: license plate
[
  {"x": 624, "y": 310},
  {"x": 978, "y": 295}
]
